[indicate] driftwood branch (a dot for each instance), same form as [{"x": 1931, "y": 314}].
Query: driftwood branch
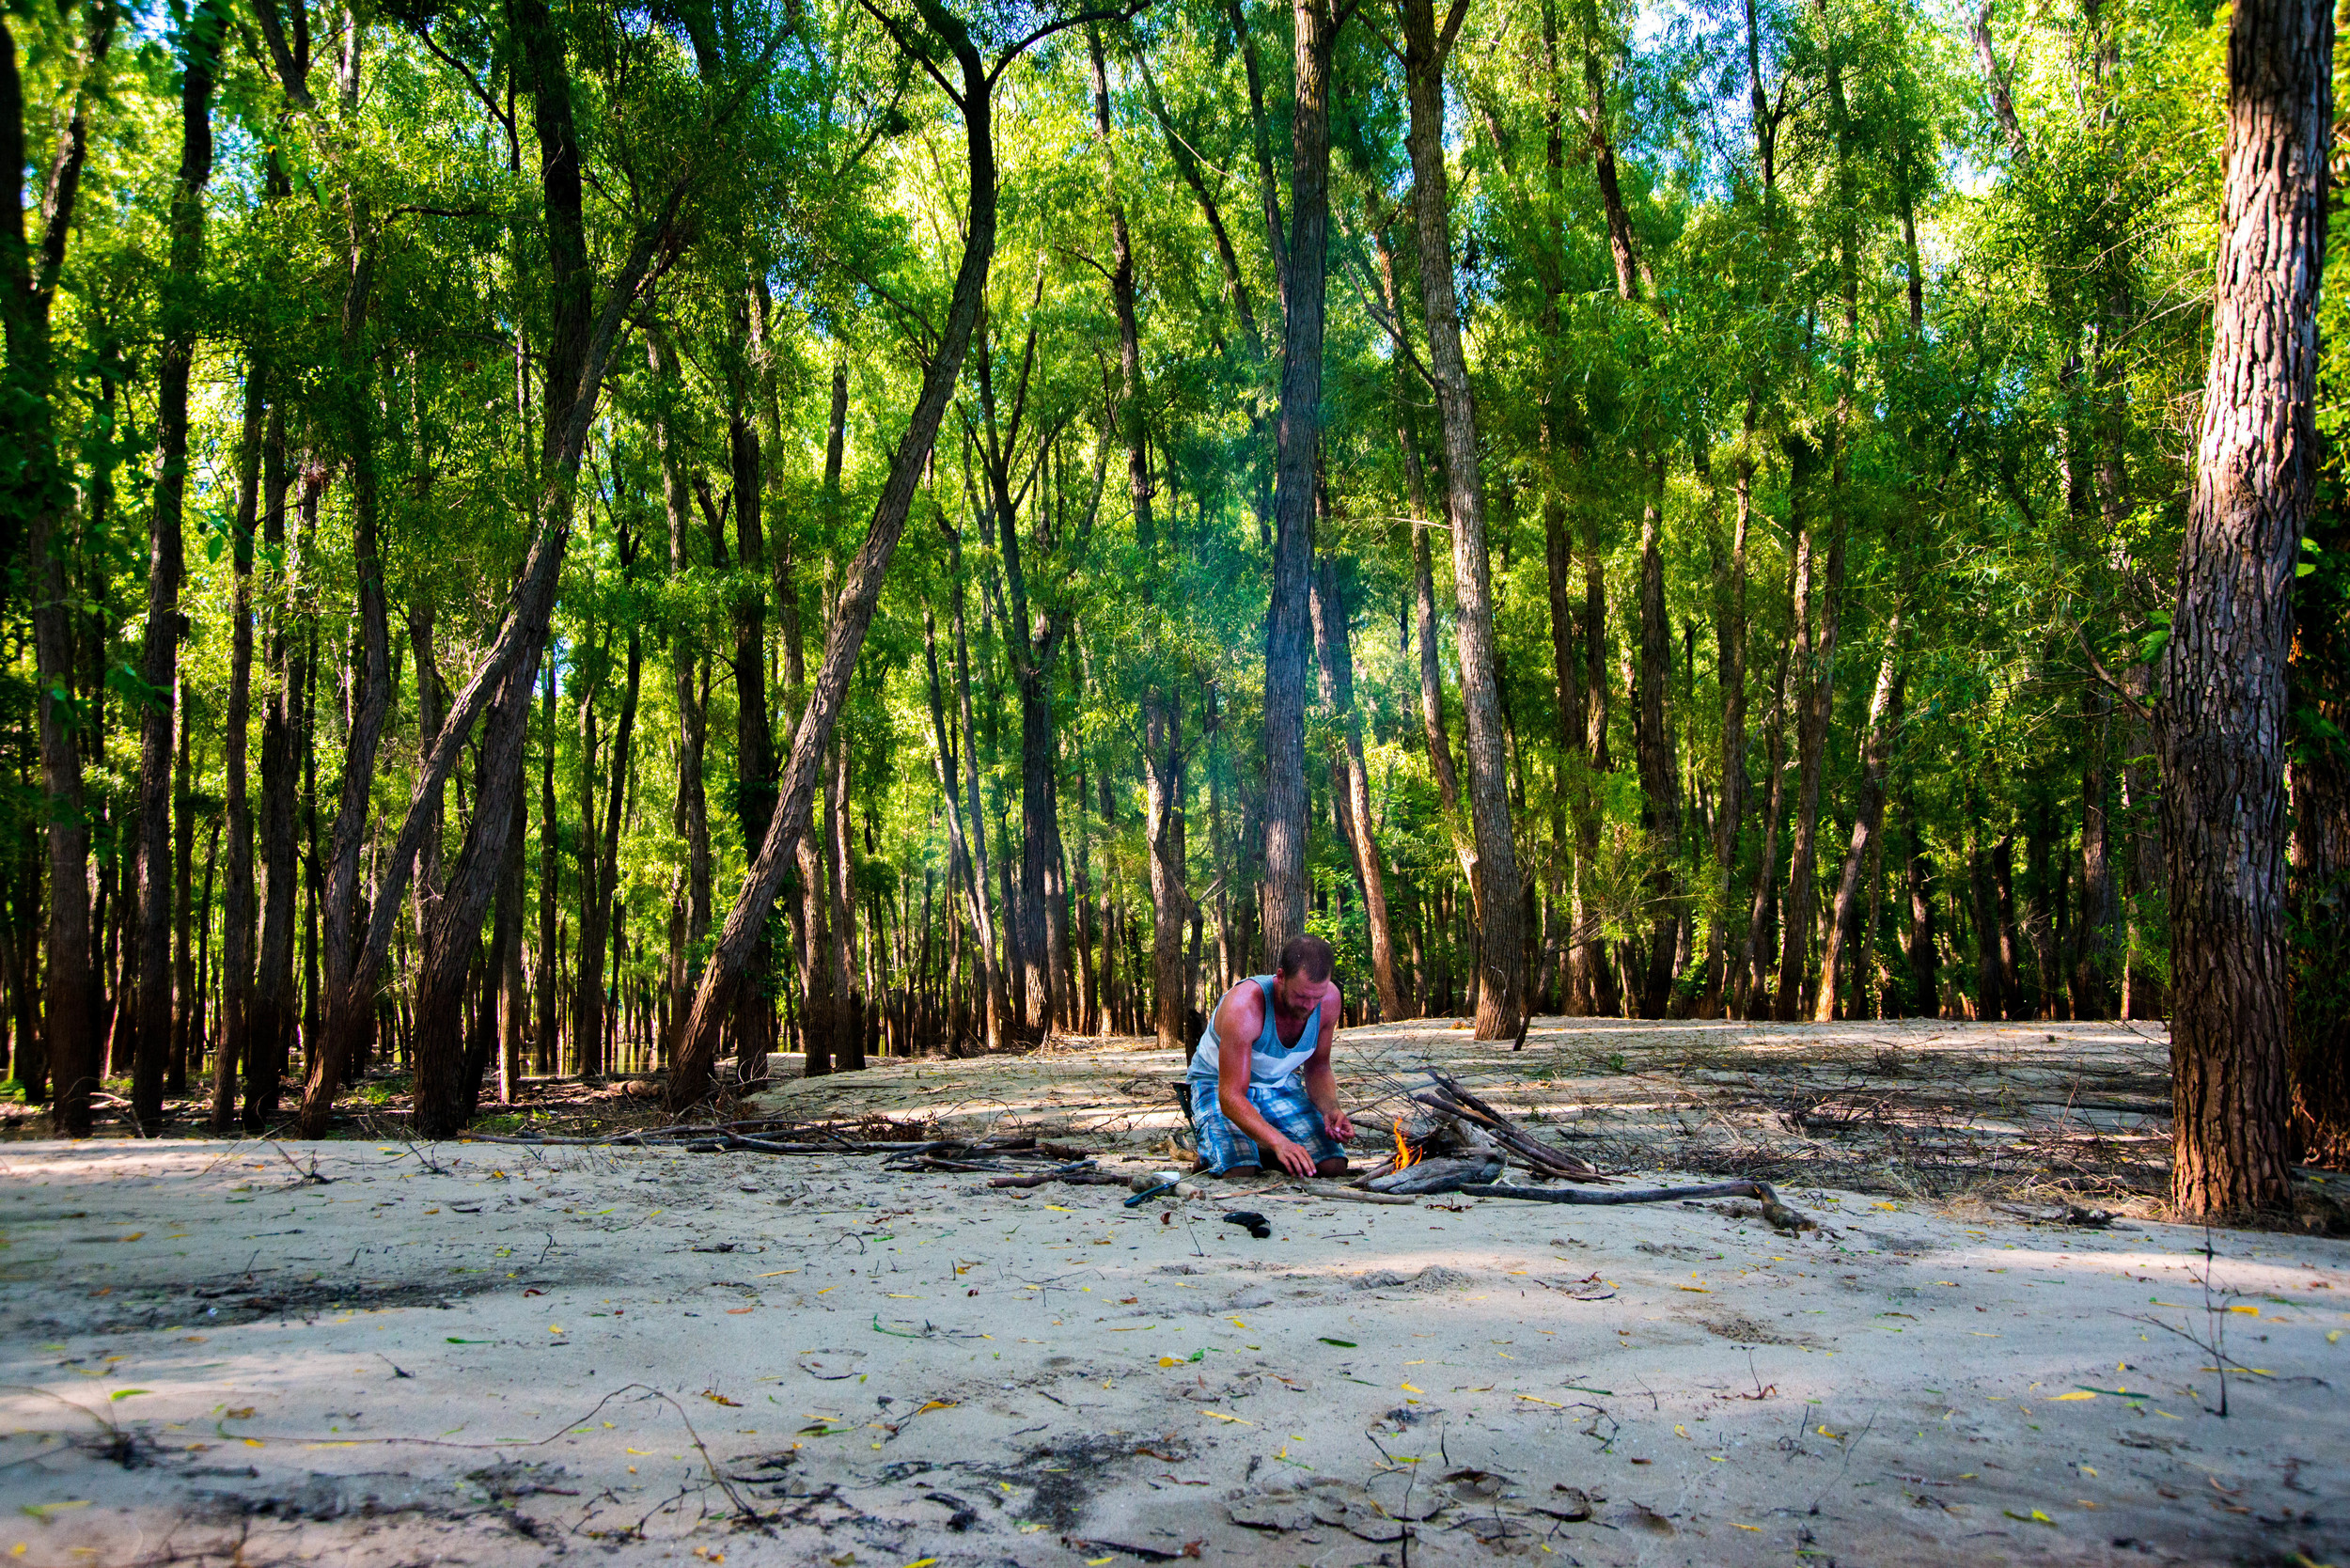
[{"x": 1778, "y": 1213}]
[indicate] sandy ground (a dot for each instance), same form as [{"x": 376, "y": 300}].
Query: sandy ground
[{"x": 370, "y": 1354}]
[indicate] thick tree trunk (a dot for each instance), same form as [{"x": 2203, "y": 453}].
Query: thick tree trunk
[
  {"x": 1297, "y": 450},
  {"x": 754, "y": 744},
  {"x": 159, "y": 661},
  {"x": 1500, "y": 995},
  {"x": 1350, "y": 781},
  {"x": 2223, "y": 726}
]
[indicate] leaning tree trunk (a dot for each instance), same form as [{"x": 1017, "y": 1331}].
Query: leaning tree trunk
[
  {"x": 159, "y": 660},
  {"x": 1885, "y": 715},
  {"x": 1500, "y": 992},
  {"x": 1297, "y": 447},
  {"x": 730, "y": 964},
  {"x": 2223, "y": 726}
]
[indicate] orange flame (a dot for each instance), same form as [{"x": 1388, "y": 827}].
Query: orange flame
[{"x": 1404, "y": 1153}]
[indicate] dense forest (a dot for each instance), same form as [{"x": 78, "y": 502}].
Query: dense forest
[{"x": 600, "y": 540}]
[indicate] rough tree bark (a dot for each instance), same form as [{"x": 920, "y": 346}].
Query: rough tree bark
[
  {"x": 2222, "y": 723},
  {"x": 1298, "y": 447},
  {"x": 1500, "y": 992},
  {"x": 201, "y": 42}
]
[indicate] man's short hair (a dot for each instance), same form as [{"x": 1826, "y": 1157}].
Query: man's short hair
[{"x": 1308, "y": 953}]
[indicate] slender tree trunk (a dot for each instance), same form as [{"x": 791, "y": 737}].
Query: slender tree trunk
[
  {"x": 1349, "y": 782},
  {"x": 2095, "y": 973},
  {"x": 1885, "y": 710},
  {"x": 550, "y": 872},
  {"x": 728, "y": 966},
  {"x": 159, "y": 661},
  {"x": 274, "y": 1004},
  {"x": 1660, "y": 772},
  {"x": 1730, "y": 654},
  {"x": 1814, "y": 644},
  {"x": 185, "y": 1010},
  {"x": 1296, "y": 453},
  {"x": 1502, "y": 960},
  {"x": 237, "y": 1039},
  {"x": 2222, "y": 727},
  {"x": 1754, "y": 952},
  {"x": 964, "y": 865}
]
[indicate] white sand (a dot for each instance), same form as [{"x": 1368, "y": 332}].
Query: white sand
[{"x": 499, "y": 1363}]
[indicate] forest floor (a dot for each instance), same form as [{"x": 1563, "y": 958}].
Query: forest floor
[{"x": 486, "y": 1352}]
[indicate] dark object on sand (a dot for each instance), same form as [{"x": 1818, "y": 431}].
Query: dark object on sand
[{"x": 1258, "y": 1225}]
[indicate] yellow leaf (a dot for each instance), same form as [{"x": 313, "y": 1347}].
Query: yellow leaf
[
  {"x": 2077, "y": 1393},
  {"x": 1694, "y": 1289},
  {"x": 900, "y": 1295},
  {"x": 42, "y": 1511},
  {"x": 253, "y": 1442},
  {"x": 1551, "y": 1403},
  {"x": 773, "y": 1273},
  {"x": 2247, "y": 1312},
  {"x": 1166, "y": 1361},
  {"x": 1220, "y": 1416},
  {"x": 1409, "y": 1389},
  {"x": 2333, "y": 1337},
  {"x": 1756, "y": 1529},
  {"x": 555, "y": 1328},
  {"x": 1824, "y": 1432},
  {"x": 1058, "y": 1210},
  {"x": 936, "y": 1404}
]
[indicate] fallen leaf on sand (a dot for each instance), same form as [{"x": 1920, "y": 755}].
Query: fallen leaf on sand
[
  {"x": 1220, "y": 1416},
  {"x": 2034, "y": 1518},
  {"x": 42, "y": 1511},
  {"x": 714, "y": 1397},
  {"x": 2077, "y": 1393}
]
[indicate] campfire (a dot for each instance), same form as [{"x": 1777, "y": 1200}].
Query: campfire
[{"x": 1447, "y": 1138}]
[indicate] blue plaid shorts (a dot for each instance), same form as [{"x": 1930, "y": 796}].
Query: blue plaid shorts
[{"x": 1223, "y": 1147}]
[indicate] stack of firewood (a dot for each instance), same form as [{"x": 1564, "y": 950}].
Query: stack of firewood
[{"x": 1451, "y": 1138}]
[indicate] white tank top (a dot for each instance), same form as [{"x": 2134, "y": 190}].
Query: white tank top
[{"x": 1269, "y": 1060}]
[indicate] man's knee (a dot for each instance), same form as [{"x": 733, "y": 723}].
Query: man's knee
[{"x": 1334, "y": 1165}]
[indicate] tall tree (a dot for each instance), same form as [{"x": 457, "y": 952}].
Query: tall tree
[
  {"x": 1500, "y": 994},
  {"x": 2222, "y": 722}
]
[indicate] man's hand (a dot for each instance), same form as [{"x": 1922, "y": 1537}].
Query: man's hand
[
  {"x": 1338, "y": 1125},
  {"x": 1296, "y": 1159}
]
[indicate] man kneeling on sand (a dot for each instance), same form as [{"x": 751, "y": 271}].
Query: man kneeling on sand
[{"x": 1261, "y": 1080}]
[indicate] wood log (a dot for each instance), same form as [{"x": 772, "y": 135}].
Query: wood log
[{"x": 1439, "y": 1175}]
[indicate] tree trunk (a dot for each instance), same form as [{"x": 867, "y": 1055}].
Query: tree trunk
[
  {"x": 1350, "y": 781},
  {"x": 237, "y": 1043},
  {"x": 1297, "y": 450},
  {"x": 28, "y": 275},
  {"x": 964, "y": 866},
  {"x": 2096, "y": 971},
  {"x": 1502, "y": 963},
  {"x": 2222, "y": 727},
  {"x": 159, "y": 661},
  {"x": 1754, "y": 951},
  {"x": 550, "y": 872},
  {"x": 1885, "y": 715},
  {"x": 1660, "y": 772},
  {"x": 1730, "y": 652},
  {"x": 1814, "y": 639},
  {"x": 685, "y": 657}
]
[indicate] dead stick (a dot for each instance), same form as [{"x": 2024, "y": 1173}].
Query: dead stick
[{"x": 1776, "y": 1212}]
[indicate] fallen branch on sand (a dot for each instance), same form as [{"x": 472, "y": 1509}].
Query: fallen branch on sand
[{"x": 1778, "y": 1213}]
